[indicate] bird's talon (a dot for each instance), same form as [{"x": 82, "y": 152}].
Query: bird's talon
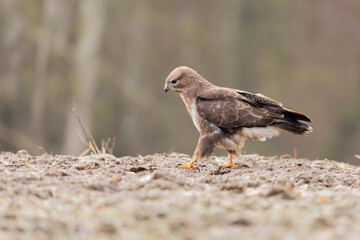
[
  {"x": 187, "y": 166},
  {"x": 229, "y": 166}
]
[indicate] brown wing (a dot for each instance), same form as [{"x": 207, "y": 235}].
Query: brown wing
[
  {"x": 227, "y": 109},
  {"x": 259, "y": 99},
  {"x": 273, "y": 106}
]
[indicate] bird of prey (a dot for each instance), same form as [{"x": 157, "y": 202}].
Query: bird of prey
[{"x": 226, "y": 117}]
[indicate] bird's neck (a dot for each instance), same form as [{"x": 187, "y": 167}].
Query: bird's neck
[{"x": 189, "y": 96}]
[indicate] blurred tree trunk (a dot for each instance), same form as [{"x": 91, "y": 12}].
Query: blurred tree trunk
[
  {"x": 129, "y": 85},
  {"x": 87, "y": 59},
  {"x": 13, "y": 28},
  {"x": 12, "y": 40},
  {"x": 54, "y": 32},
  {"x": 42, "y": 59}
]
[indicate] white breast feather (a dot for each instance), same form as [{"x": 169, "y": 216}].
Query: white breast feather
[
  {"x": 260, "y": 134},
  {"x": 195, "y": 116}
]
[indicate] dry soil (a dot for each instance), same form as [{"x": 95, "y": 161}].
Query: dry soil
[{"x": 104, "y": 197}]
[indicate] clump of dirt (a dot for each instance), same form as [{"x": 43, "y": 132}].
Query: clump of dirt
[{"x": 101, "y": 196}]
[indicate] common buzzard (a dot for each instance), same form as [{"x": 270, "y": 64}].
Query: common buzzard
[{"x": 226, "y": 117}]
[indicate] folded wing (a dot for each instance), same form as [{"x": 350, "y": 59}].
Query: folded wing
[{"x": 229, "y": 109}]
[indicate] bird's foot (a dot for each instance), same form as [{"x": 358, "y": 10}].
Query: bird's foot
[
  {"x": 229, "y": 166},
  {"x": 187, "y": 166}
]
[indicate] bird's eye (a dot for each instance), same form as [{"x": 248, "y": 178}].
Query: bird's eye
[{"x": 174, "y": 81}]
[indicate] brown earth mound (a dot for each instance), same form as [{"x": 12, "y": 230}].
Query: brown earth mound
[{"x": 104, "y": 197}]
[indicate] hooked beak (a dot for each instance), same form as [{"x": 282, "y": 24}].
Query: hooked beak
[{"x": 166, "y": 88}]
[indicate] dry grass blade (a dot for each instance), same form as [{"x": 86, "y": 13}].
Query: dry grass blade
[
  {"x": 89, "y": 145},
  {"x": 103, "y": 148},
  {"x": 108, "y": 145},
  {"x": 88, "y": 139},
  {"x": 84, "y": 152},
  {"x": 272, "y": 158},
  {"x": 29, "y": 165},
  {"x": 76, "y": 114},
  {"x": 93, "y": 149},
  {"x": 43, "y": 149},
  {"x": 94, "y": 145},
  {"x": 111, "y": 149},
  {"x": 286, "y": 156}
]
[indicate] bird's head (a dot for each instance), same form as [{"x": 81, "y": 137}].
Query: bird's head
[{"x": 181, "y": 79}]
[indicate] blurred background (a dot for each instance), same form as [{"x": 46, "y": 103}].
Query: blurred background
[{"x": 112, "y": 58}]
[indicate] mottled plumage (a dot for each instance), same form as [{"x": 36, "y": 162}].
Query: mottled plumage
[{"x": 227, "y": 117}]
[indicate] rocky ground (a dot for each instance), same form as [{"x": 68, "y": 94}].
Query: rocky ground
[{"x": 104, "y": 197}]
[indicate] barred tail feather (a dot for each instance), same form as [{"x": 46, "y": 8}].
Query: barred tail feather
[
  {"x": 292, "y": 122},
  {"x": 294, "y": 127},
  {"x": 295, "y": 116}
]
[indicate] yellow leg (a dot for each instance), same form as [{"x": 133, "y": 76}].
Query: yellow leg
[
  {"x": 190, "y": 164},
  {"x": 230, "y": 163}
]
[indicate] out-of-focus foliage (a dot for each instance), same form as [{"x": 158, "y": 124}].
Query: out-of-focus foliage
[{"x": 112, "y": 58}]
